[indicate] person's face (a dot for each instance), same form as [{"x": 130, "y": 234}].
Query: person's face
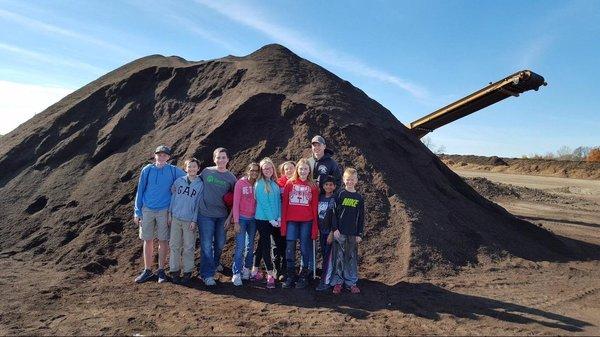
[
  {"x": 303, "y": 171},
  {"x": 318, "y": 149},
  {"x": 350, "y": 181},
  {"x": 253, "y": 172},
  {"x": 161, "y": 157},
  {"x": 288, "y": 169},
  {"x": 267, "y": 170},
  {"x": 221, "y": 160},
  {"x": 329, "y": 187},
  {"x": 192, "y": 168}
]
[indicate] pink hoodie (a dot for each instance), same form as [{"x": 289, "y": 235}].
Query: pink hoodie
[{"x": 244, "y": 203}]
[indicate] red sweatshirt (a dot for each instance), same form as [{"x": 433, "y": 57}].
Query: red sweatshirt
[{"x": 300, "y": 203}]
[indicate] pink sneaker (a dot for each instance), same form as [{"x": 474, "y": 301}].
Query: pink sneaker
[
  {"x": 257, "y": 277},
  {"x": 337, "y": 289},
  {"x": 355, "y": 289},
  {"x": 270, "y": 282}
]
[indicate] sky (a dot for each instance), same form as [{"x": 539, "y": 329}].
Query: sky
[{"x": 413, "y": 57}]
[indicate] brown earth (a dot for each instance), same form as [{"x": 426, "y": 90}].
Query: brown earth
[
  {"x": 543, "y": 167},
  {"x": 437, "y": 257}
]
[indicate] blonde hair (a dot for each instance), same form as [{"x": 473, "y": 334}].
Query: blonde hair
[
  {"x": 266, "y": 161},
  {"x": 309, "y": 178},
  {"x": 350, "y": 171},
  {"x": 282, "y": 167}
]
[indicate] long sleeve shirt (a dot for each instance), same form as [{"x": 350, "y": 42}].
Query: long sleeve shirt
[
  {"x": 186, "y": 198},
  {"x": 349, "y": 213},
  {"x": 244, "y": 203},
  {"x": 300, "y": 203}
]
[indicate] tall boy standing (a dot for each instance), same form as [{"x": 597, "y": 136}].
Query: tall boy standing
[{"x": 152, "y": 202}]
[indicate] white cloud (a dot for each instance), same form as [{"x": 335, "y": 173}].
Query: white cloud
[
  {"x": 57, "y": 61},
  {"x": 19, "y": 102},
  {"x": 296, "y": 41},
  {"x": 204, "y": 33},
  {"x": 55, "y": 30}
]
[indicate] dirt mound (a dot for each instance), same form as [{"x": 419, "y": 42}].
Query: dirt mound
[
  {"x": 500, "y": 191},
  {"x": 543, "y": 167},
  {"x": 69, "y": 173}
]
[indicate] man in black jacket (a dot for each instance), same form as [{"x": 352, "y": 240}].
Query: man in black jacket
[{"x": 322, "y": 164}]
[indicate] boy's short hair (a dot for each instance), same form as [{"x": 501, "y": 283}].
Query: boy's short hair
[
  {"x": 192, "y": 160},
  {"x": 219, "y": 150},
  {"x": 350, "y": 171},
  {"x": 329, "y": 179}
]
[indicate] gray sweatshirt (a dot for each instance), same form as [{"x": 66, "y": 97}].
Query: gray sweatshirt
[{"x": 185, "y": 200}]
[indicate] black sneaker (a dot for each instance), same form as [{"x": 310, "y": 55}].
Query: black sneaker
[
  {"x": 144, "y": 276},
  {"x": 302, "y": 282},
  {"x": 322, "y": 286},
  {"x": 187, "y": 278},
  {"x": 162, "y": 277},
  {"x": 288, "y": 283},
  {"x": 175, "y": 278}
]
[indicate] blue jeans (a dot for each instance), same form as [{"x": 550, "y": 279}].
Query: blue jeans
[
  {"x": 212, "y": 241},
  {"x": 295, "y": 231},
  {"x": 244, "y": 246}
]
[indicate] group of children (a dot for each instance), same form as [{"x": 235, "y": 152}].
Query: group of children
[{"x": 171, "y": 205}]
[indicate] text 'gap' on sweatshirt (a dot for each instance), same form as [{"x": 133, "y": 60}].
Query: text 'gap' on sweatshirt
[
  {"x": 154, "y": 187},
  {"x": 186, "y": 198},
  {"x": 244, "y": 203},
  {"x": 300, "y": 203}
]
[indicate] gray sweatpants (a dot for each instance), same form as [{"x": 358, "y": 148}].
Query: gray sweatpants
[
  {"x": 182, "y": 243},
  {"x": 344, "y": 267}
]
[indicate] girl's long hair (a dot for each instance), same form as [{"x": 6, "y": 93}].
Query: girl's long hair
[
  {"x": 249, "y": 167},
  {"x": 267, "y": 161},
  {"x": 309, "y": 179},
  {"x": 282, "y": 167}
]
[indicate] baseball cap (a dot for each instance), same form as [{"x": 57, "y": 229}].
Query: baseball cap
[
  {"x": 318, "y": 139},
  {"x": 163, "y": 149}
]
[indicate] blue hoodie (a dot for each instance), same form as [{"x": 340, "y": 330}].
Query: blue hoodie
[{"x": 154, "y": 187}]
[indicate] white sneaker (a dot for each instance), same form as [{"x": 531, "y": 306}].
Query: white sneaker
[
  {"x": 237, "y": 280},
  {"x": 209, "y": 281},
  {"x": 245, "y": 273}
]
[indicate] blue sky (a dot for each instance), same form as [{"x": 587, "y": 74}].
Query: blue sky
[{"x": 412, "y": 57}]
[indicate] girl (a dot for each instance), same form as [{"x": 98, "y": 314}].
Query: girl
[
  {"x": 183, "y": 212},
  {"x": 268, "y": 215},
  {"x": 244, "y": 206},
  {"x": 286, "y": 171},
  {"x": 213, "y": 217},
  {"x": 299, "y": 221}
]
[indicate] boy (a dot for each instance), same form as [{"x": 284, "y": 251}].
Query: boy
[
  {"x": 152, "y": 202},
  {"x": 347, "y": 228},
  {"x": 326, "y": 206},
  {"x": 183, "y": 214}
]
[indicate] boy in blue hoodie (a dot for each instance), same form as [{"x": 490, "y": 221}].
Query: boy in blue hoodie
[
  {"x": 183, "y": 214},
  {"x": 152, "y": 202}
]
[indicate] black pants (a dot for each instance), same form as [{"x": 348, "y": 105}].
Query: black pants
[
  {"x": 263, "y": 249},
  {"x": 278, "y": 244}
]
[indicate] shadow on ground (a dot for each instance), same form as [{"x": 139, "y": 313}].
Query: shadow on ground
[{"x": 421, "y": 299}]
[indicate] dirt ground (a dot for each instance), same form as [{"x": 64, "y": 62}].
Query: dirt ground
[{"x": 508, "y": 297}]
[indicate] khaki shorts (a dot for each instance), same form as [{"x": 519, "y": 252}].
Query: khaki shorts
[{"x": 154, "y": 225}]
